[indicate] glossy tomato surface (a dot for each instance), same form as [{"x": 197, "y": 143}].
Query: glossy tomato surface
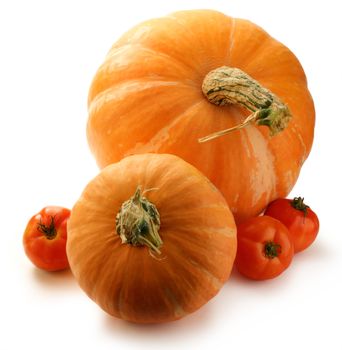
[
  {"x": 45, "y": 238},
  {"x": 264, "y": 248},
  {"x": 301, "y": 221}
]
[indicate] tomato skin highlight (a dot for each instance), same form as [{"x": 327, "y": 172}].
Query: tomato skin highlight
[
  {"x": 303, "y": 224},
  {"x": 264, "y": 248},
  {"x": 45, "y": 238}
]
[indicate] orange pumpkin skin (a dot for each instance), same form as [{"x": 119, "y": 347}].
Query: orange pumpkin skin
[
  {"x": 197, "y": 229},
  {"x": 147, "y": 97}
]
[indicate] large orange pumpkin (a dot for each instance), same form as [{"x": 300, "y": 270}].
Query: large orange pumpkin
[
  {"x": 151, "y": 239},
  {"x": 147, "y": 97}
]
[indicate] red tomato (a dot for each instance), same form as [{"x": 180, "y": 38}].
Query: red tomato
[
  {"x": 45, "y": 238},
  {"x": 300, "y": 220},
  {"x": 264, "y": 248}
]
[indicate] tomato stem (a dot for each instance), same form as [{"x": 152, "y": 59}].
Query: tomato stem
[
  {"x": 298, "y": 203},
  {"x": 48, "y": 230},
  {"x": 272, "y": 249}
]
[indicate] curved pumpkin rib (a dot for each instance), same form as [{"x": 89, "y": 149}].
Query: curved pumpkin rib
[
  {"x": 179, "y": 311},
  {"x": 183, "y": 281},
  {"x": 141, "y": 297},
  {"x": 181, "y": 188},
  {"x": 201, "y": 278},
  {"x": 109, "y": 278},
  {"x": 124, "y": 63},
  {"x": 301, "y": 104},
  {"x": 162, "y": 135},
  {"x": 210, "y": 30},
  {"x": 187, "y": 219},
  {"x": 93, "y": 262},
  {"x": 296, "y": 140},
  {"x": 197, "y": 253},
  {"x": 262, "y": 175},
  {"x": 161, "y": 35},
  {"x": 101, "y": 128},
  {"x": 199, "y": 239},
  {"x": 263, "y": 68},
  {"x": 130, "y": 86},
  {"x": 259, "y": 65},
  {"x": 247, "y": 42}
]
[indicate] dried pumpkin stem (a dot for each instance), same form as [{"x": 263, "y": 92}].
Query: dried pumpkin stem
[
  {"x": 226, "y": 85},
  {"x": 138, "y": 222}
]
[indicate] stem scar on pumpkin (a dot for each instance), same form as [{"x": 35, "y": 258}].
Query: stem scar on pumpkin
[
  {"x": 226, "y": 85},
  {"x": 138, "y": 223}
]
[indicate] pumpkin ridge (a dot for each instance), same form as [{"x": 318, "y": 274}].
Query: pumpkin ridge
[
  {"x": 141, "y": 85},
  {"x": 168, "y": 57},
  {"x": 215, "y": 281},
  {"x": 112, "y": 65},
  {"x": 295, "y": 129},
  {"x": 144, "y": 45},
  {"x": 179, "y": 311},
  {"x": 124, "y": 286},
  {"x": 187, "y": 279},
  {"x": 187, "y": 263},
  {"x": 260, "y": 54},
  {"x": 250, "y": 59},
  {"x": 231, "y": 40},
  {"x": 175, "y": 240},
  {"x": 161, "y": 134},
  {"x": 261, "y": 153},
  {"x": 181, "y": 21},
  {"x": 156, "y": 22},
  {"x": 225, "y": 231}
]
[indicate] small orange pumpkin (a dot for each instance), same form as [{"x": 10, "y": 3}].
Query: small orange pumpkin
[
  {"x": 151, "y": 239},
  {"x": 147, "y": 97}
]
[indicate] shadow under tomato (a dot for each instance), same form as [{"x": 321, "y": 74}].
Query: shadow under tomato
[
  {"x": 240, "y": 285},
  {"x": 317, "y": 251},
  {"x": 54, "y": 280}
]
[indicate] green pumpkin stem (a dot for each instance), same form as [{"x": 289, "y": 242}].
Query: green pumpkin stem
[
  {"x": 226, "y": 85},
  {"x": 138, "y": 223}
]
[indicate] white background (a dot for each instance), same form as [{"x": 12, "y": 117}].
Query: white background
[{"x": 49, "y": 52}]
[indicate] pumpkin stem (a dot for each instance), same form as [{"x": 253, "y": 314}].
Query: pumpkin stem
[
  {"x": 226, "y": 85},
  {"x": 138, "y": 222}
]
